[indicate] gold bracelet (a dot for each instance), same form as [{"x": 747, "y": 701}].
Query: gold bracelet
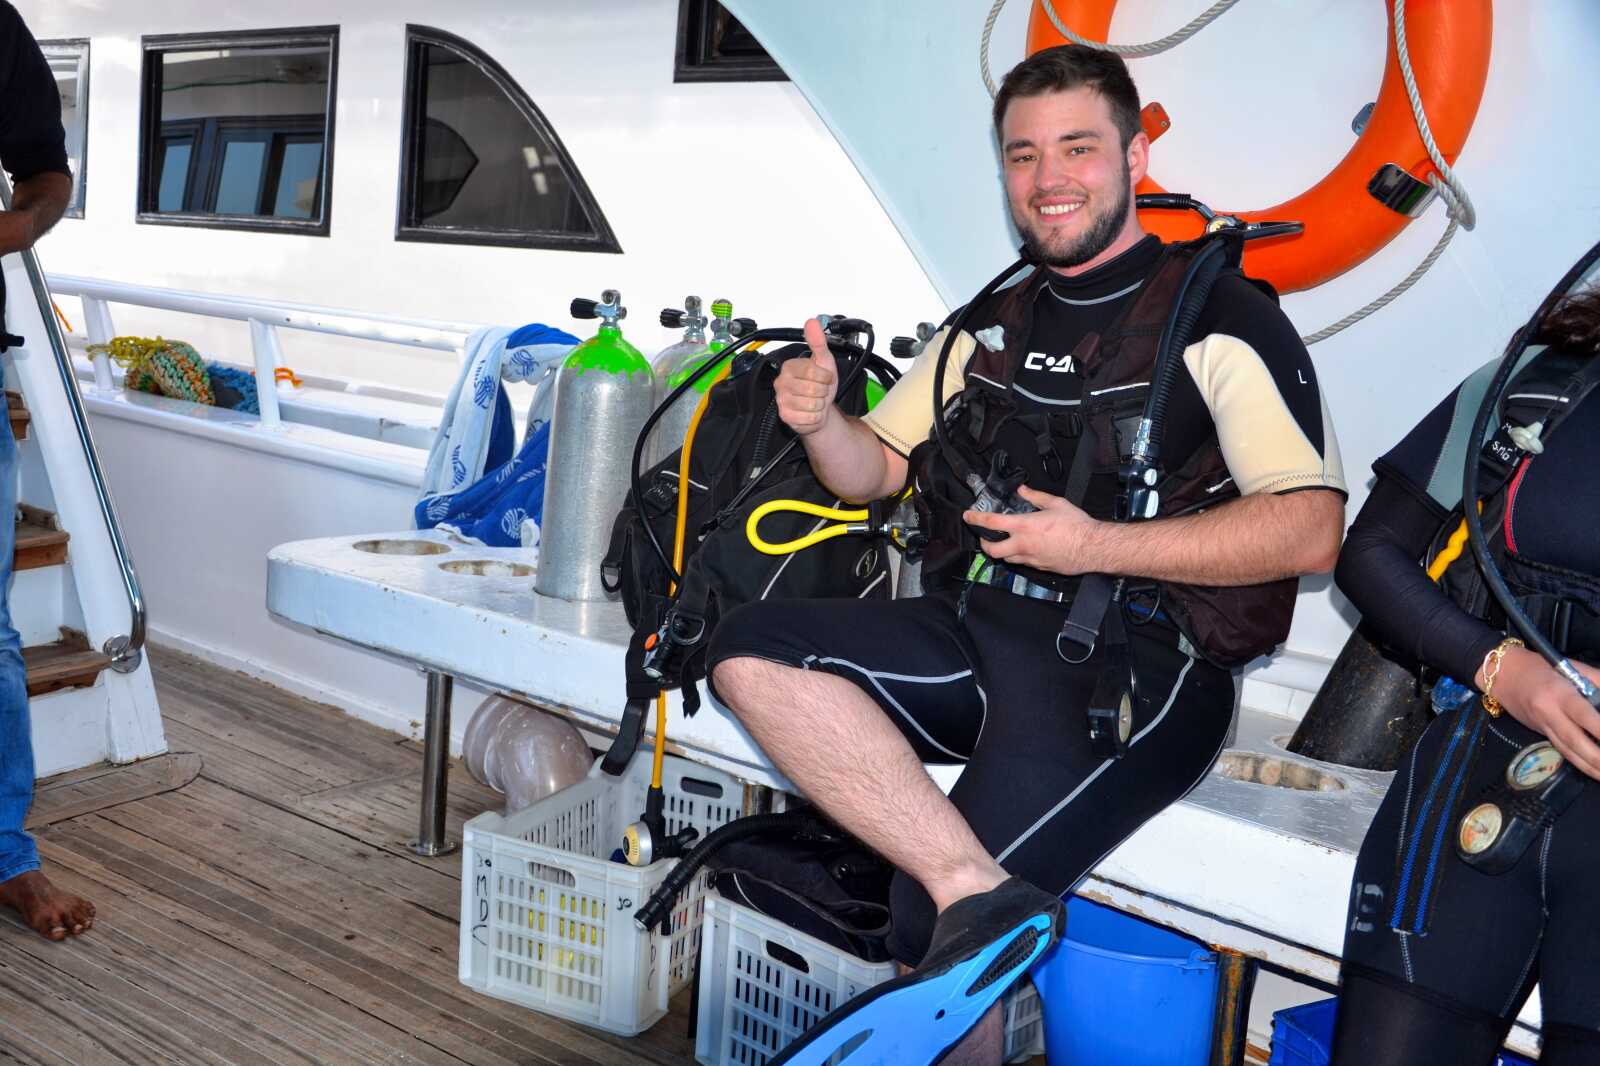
[{"x": 1491, "y": 670}]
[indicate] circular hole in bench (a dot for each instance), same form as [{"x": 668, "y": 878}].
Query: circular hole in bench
[
  {"x": 487, "y": 568},
  {"x": 401, "y": 547},
  {"x": 1279, "y": 773}
]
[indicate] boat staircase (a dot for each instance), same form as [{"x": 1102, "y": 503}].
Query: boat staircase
[{"x": 75, "y": 598}]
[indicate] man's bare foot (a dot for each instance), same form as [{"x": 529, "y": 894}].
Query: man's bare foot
[{"x": 53, "y": 914}]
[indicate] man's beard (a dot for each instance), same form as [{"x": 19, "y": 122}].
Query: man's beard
[{"x": 1104, "y": 228}]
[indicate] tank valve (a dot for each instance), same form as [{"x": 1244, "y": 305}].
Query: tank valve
[
  {"x": 911, "y": 347},
  {"x": 843, "y": 326},
  {"x": 692, "y": 315},
  {"x": 608, "y": 308}
]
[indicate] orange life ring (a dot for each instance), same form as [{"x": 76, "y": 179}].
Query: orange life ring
[{"x": 1448, "y": 41}]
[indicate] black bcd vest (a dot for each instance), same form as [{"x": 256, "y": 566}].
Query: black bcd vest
[
  {"x": 1564, "y": 604},
  {"x": 1228, "y": 625}
]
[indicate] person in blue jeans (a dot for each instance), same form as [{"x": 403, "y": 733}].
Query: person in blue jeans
[{"x": 33, "y": 151}]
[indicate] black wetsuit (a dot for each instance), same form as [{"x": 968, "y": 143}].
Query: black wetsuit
[
  {"x": 1440, "y": 983},
  {"x": 970, "y": 673}
]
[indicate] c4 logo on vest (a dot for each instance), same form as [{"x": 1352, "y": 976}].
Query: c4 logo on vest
[{"x": 1054, "y": 364}]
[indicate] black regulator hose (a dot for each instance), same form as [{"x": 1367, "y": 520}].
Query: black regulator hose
[
  {"x": 1469, "y": 485},
  {"x": 1181, "y": 321},
  {"x": 657, "y": 910}
]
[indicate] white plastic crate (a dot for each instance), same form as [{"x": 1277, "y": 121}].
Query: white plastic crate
[
  {"x": 547, "y": 917},
  {"x": 762, "y": 984}
]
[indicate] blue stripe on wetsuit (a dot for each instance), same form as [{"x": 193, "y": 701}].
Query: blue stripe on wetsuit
[
  {"x": 1422, "y": 820},
  {"x": 1444, "y": 820}
]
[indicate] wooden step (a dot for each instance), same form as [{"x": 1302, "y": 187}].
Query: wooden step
[
  {"x": 66, "y": 663},
  {"x": 40, "y": 540},
  {"x": 19, "y": 414}
]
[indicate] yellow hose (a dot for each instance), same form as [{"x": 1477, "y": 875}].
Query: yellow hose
[{"x": 677, "y": 558}]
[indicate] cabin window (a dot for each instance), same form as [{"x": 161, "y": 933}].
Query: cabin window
[
  {"x": 480, "y": 162},
  {"x": 69, "y": 62},
  {"x": 237, "y": 130},
  {"x": 715, "y": 46}
]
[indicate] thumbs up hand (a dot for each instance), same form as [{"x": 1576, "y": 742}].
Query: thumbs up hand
[{"x": 805, "y": 387}]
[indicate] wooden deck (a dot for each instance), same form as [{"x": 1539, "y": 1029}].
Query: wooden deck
[{"x": 257, "y": 905}]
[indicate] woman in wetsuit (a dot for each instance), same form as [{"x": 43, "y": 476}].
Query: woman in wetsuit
[{"x": 1481, "y": 874}]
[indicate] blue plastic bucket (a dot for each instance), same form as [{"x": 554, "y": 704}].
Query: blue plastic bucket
[
  {"x": 1303, "y": 1036},
  {"x": 1119, "y": 990}
]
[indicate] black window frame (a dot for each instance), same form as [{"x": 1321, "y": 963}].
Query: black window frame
[
  {"x": 696, "y": 58},
  {"x": 414, "y": 113},
  {"x": 80, "y": 178},
  {"x": 152, "y": 47}
]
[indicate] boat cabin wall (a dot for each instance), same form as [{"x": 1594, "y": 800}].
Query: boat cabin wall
[{"x": 720, "y": 189}]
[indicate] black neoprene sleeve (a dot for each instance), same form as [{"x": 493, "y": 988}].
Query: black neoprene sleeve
[{"x": 1378, "y": 569}]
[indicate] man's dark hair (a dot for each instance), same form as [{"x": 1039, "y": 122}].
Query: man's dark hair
[
  {"x": 1573, "y": 325},
  {"x": 1072, "y": 66}
]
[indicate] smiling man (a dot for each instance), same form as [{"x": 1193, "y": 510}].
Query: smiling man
[{"x": 997, "y": 665}]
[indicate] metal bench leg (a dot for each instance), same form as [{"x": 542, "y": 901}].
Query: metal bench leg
[
  {"x": 1236, "y": 980},
  {"x": 431, "y": 841}
]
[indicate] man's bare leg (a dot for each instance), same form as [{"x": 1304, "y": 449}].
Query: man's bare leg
[
  {"x": 50, "y": 912},
  {"x": 834, "y": 742}
]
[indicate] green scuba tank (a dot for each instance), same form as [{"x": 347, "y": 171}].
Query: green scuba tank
[{"x": 604, "y": 392}]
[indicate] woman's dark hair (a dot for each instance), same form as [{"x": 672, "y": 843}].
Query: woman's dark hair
[
  {"x": 1573, "y": 325},
  {"x": 1072, "y": 66}
]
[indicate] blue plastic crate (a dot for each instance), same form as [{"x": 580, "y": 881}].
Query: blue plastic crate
[{"x": 1303, "y": 1036}]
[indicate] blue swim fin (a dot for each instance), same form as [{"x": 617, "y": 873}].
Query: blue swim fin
[{"x": 916, "y": 1019}]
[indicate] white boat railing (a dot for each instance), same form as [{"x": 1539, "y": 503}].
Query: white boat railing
[{"x": 265, "y": 318}]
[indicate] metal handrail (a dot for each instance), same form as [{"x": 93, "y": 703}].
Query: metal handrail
[
  {"x": 126, "y": 651},
  {"x": 361, "y": 325}
]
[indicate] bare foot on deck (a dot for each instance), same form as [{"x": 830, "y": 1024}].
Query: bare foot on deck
[{"x": 53, "y": 914}]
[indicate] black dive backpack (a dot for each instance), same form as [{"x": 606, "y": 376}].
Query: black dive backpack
[{"x": 742, "y": 456}]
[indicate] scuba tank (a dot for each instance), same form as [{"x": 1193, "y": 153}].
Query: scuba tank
[
  {"x": 1370, "y": 711},
  {"x": 604, "y": 392},
  {"x": 674, "y": 361},
  {"x": 667, "y": 437}
]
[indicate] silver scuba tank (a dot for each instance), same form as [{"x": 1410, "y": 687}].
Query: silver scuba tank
[
  {"x": 671, "y": 427},
  {"x": 604, "y": 392}
]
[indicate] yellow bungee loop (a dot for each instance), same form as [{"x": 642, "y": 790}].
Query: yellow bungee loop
[{"x": 851, "y": 521}]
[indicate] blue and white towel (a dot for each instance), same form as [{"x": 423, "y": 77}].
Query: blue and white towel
[
  {"x": 476, "y": 431},
  {"x": 476, "y": 434},
  {"x": 502, "y": 509}
]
